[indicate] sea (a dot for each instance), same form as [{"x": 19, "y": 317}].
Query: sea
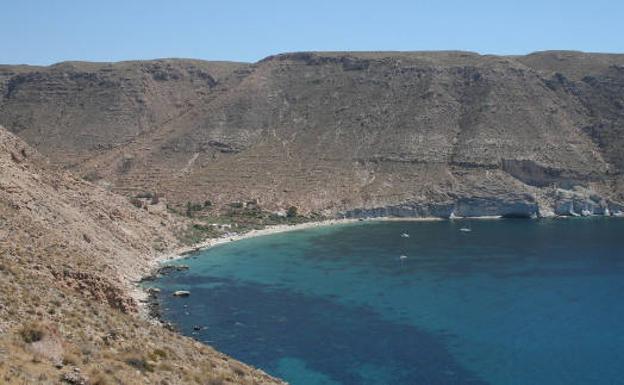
[{"x": 499, "y": 302}]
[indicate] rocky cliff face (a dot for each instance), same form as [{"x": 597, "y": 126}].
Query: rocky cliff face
[
  {"x": 68, "y": 253},
  {"x": 428, "y": 133}
]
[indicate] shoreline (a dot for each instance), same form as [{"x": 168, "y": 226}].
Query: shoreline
[
  {"x": 144, "y": 298},
  {"x": 142, "y": 295},
  {"x": 184, "y": 251}
]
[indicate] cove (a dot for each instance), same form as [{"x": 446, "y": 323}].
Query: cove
[{"x": 501, "y": 302}]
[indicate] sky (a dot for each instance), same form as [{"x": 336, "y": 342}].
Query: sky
[{"x": 48, "y": 31}]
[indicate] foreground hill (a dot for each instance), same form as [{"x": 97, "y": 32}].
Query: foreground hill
[
  {"x": 424, "y": 133},
  {"x": 69, "y": 252}
]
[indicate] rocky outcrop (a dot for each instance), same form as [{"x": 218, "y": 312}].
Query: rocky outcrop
[
  {"x": 519, "y": 207},
  {"x": 583, "y": 203},
  {"x": 97, "y": 288},
  {"x": 534, "y": 174}
]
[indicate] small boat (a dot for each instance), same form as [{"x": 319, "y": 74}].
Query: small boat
[
  {"x": 181, "y": 293},
  {"x": 403, "y": 257},
  {"x": 465, "y": 229},
  {"x": 404, "y": 235}
]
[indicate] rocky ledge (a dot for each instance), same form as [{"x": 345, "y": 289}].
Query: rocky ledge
[{"x": 560, "y": 202}]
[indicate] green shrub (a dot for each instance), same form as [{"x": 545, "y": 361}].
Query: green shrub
[
  {"x": 292, "y": 212},
  {"x": 192, "y": 207}
]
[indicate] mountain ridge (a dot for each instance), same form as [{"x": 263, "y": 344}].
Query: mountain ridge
[{"x": 335, "y": 132}]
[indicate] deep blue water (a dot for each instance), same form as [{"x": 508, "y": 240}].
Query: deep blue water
[{"x": 512, "y": 302}]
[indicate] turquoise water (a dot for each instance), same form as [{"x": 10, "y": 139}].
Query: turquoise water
[{"x": 511, "y": 302}]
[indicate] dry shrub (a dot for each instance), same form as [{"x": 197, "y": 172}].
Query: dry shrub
[
  {"x": 139, "y": 363},
  {"x": 70, "y": 359},
  {"x": 99, "y": 378},
  {"x": 32, "y": 332}
]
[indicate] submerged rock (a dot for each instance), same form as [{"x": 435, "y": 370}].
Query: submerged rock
[
  {"x": 153, "y": 290},
  {"x": 167, "y": 269}
]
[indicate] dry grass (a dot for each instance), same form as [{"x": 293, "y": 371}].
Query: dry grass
[{"x": 65, "y": 303}]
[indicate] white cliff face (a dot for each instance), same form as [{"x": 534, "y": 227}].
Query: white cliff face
[
  {"x": 583, "y": 202},
  {"x": 460, "y": 208},
  {"x": 578, "y": 202}
]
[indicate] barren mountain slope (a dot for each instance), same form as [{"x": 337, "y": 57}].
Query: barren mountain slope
[
  {"x": 425, "y": 133},
  {"x": 68, "y": 253},
  {"x": 75, "y": 109}
]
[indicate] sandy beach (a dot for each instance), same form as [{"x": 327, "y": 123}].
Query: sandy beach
[{"x": 276, "y": 229}]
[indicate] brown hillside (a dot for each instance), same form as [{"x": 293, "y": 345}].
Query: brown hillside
[
  {"x": 68, "y": 253},
  {"x": 422, "y": 133}
]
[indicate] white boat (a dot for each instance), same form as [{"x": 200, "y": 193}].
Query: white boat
[
  {"x": 404, "y": 235},
  {"x": 465, "y": 229},
  {"x": 403, "y": 257}
]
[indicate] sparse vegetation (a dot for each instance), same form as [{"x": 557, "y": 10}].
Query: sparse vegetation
[
  {"x": 91, "y": 176},
  {"x": 159, "y": 353},
  {"x": 192, "y": 208},
  {"x": 126, "y": 164},
  {"x": 66, "y": 315},
  {"x": 139, "y": 363},
  {"x": 235, "y": 217},
  {"x": 145, "y": 195},
  {"x": 137, "y": 202}
]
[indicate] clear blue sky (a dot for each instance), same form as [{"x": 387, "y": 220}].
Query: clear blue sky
[{"x": 48, "y": 31}]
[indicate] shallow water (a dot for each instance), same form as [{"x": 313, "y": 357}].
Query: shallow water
[{"x": 509, "y": 302}]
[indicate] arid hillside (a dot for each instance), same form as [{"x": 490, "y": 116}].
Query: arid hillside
[
  {"x": 69, "y": 252},
  {"x": 342, "y": 133}
]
